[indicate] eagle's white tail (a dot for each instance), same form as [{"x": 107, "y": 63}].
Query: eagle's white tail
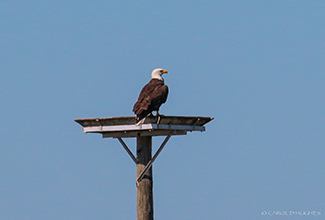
[{"x": 140, "y": 122}]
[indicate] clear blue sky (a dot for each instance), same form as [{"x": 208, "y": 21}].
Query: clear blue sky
[{"x": 257, "y": 67}]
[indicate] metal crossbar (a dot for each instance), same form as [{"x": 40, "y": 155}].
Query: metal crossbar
[{"x": 153, "y": 158}]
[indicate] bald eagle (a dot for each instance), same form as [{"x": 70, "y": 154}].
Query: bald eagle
[{"x": 151, "y": 97}]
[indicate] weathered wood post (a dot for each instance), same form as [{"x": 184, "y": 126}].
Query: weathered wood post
[{"x": 145, "y": 186}]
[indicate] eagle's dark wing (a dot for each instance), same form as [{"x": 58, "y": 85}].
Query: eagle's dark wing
[
  {"x": 144, "y": 99},
  {"x": 150, "y": 99},
  {"x": 158, "y": 97}
]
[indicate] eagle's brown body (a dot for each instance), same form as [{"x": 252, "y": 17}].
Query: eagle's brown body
[{"x": 151, "y": 97}]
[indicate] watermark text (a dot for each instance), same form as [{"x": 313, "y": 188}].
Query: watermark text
[{"x": 291, "y": 213}]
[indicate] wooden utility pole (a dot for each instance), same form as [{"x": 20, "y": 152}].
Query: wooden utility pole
[
  {"x": 144, "y": 188},
  {"x": 124, "y": 127}
]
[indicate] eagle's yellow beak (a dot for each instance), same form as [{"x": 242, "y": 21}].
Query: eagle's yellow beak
[{"x": 164, "y": 71}]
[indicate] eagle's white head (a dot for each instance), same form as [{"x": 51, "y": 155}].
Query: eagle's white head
[{"x": 157, "y": 73}]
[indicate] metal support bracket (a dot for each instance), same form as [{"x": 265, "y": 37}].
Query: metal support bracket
[
  {"x": 153, "y": 159},
  {"x": 127, "y": 150}
]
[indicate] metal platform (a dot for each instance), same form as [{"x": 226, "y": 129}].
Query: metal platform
[{"x": 118, "y": 127}]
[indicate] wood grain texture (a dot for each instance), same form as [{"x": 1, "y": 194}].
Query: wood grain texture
[{"x": 145, "y": 186}]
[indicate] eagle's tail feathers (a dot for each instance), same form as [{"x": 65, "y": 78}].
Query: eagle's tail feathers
[{"x": 139, "y": 123}]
